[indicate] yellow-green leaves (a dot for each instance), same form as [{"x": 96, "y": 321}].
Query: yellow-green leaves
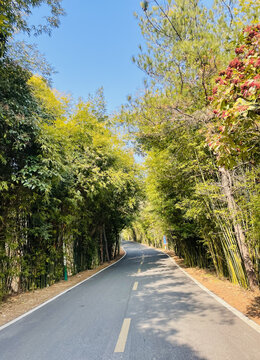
[
  {"x": 53, "y": 102},
  {"x": 66, "y": 180}
]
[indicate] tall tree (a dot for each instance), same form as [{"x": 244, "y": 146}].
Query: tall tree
[
  {"x": 14, "y": 16},
  {"x": 203, "y": 206}
]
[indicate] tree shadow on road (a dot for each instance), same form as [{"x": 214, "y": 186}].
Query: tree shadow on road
[
  {"x": 254, "y": 308},
  {"x": 169, "y": 308}
]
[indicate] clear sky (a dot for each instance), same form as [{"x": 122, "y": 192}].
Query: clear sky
[{"x": 93, "y": 47}]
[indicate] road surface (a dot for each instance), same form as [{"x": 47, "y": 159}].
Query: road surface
[{"x": 143, "y": 307}]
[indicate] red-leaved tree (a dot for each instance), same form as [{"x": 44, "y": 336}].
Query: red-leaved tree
[{"x": 234, "y": 132}]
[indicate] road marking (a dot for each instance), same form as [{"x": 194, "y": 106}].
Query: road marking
[
  {"x": 139, "y": 270},
  {"x": 57, "y": 296},
  {"x": 120, "y": 345},
  {"x": 236, "y": 312},
  {"x": 142, "y": 262},
  {"x": 135, "y": 285}
]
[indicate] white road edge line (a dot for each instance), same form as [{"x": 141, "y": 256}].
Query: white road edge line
[
  {"x": 57, "y": 296},
  {"x": 236, "y": 312},
  {"x": 122, "y": 338}
]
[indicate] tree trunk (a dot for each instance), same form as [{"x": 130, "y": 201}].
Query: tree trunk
[
  {"x": 239, "y": 233},
  {"x": 101, "y": 246},
  {"x": 116, "y": 248},
  {"x": 105, "y": 239},
  {"x": 114, "y": 255}
]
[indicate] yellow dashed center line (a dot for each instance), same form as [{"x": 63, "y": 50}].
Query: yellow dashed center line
[
  {"x": 121, "y": 342},
  {"x": 135, "y": 285},
  {"x": 139, "y": 270}
]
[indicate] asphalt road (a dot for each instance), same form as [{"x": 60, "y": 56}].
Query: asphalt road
[{"x": 141, "y": 308}]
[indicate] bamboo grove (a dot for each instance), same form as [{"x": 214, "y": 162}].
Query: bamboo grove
[
  {"x": 197, "y": 125},
  {"x": 68, "y": 186}
]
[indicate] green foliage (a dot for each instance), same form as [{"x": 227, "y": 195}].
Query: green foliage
[
  {"x": 14, "y": 17},
  {"x": 67, "y": 186},
  {"x": 234, "y": 134},
  {"x": 184, "y": 42},
  {"x": 206, "y": 212},
  {"x": 29, "y": 58}
]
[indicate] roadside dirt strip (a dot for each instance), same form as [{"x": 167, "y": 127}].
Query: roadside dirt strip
[
  {"x": 247, "y": 302},
  {"x": 17, "y": 305},
  {"x": 142, "y": 307}
]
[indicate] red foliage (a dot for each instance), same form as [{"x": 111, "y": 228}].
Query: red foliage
[
  {"x": 214, "y": 90},
  {"x": 224, "y": 114},
  {"x": 242, "y": 108},
  {"x": 247, "y": 29},
  {"x": 240, "y": 49},
  {"x": 257, "y": 63},
  {"x": 229, "y": 73},
  {"x": 256, "y": 84},
  {"x": 245, "y": 86},
  {"x": 238, "y": 86},
  {"x": 252, "y": 33},
  {"x": 235, "y": 63}
]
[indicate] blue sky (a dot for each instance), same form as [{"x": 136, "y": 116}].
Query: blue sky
[{"x": 93, "y": 47}]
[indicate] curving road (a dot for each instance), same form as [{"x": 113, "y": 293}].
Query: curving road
[{"x": 143, "y": 307}]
